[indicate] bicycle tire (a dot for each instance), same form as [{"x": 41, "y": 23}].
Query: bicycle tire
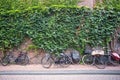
[
  {"x": 87, "y": 59},
  {"x": 46, "y": 62},
  {"x": 65, "y": 61},
  {"x": 98, "y": 62},
  {"x": 25, "y": 61},
  {"x": 5, "y": 61}
]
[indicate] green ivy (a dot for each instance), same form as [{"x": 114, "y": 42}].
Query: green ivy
[
  {"x": 24, "y": 4},
  {"x": 109, "y": 4},
  {"x": 56, "y": 28}
]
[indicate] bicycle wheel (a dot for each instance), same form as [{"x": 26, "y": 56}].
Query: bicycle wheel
[
  {"x": 25, "y": 61},
  {"x": 65, "y": 61},
  {"x": 46, "y": 61},
  {"x": 5, "y": 61},
  {"x": 98, "y": 62},
  {"x": 87, "y": 59}
]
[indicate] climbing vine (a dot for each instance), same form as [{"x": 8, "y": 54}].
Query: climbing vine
[{"x": 56, "y": 28}]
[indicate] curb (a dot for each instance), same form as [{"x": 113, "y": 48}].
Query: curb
[{"x": 62, "y": 72}]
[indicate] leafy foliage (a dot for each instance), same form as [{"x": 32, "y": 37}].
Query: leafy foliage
[
  {"x": 23, "y": 4},
  {"x": 56, "y": 28},
  {"x": 110, "y": 4}
]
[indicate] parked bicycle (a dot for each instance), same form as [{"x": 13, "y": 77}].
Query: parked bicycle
[
  {"x": 74, "y": 55},
  {"x": 22, "y": 59},
  {"x": 111, "y": 57},
  {"x": 94, "y": 58},
  {"x": 63, "y": 60}
]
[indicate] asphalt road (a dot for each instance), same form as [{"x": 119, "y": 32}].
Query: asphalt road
[{"x": 60, "y": 77}]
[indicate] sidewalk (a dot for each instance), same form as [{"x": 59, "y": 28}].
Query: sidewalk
[{"x": 38, "y": 67}]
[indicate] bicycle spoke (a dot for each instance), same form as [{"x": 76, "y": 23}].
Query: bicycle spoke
[
  {"x": 65, "y": 61},
  {"x": 5, "y": 61},
  {"x": 46, "y": 62},
  {"x": 99, "y": 63},
  {"x": 87, "y": 59}
]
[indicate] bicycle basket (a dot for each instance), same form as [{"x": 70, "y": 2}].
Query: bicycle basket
[{"x": 98, "y": 52}]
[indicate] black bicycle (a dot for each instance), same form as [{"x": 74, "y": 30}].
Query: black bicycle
[
  {"x": 63, "y": 60},
  {"x": 94, "y": 59},
  {"x": 22, "y": 59},
  {"x": 111, "y": 58}
]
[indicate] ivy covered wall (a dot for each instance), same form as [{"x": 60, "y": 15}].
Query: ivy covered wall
[{"x": 56, "y": 28}]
